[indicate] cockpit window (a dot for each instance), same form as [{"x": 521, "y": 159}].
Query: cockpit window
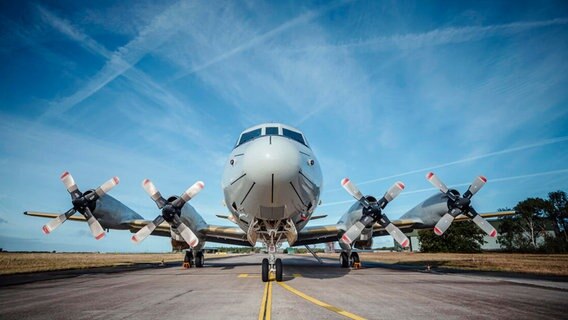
[
  {"x": 293, "y": 135},
  {"x": 271, "y": 130},
  {"x": 248, "y": 136}
]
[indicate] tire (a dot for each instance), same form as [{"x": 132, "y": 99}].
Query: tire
[
  {"x": 199, "y": 259},
  {"x": 344, "y": 260},
  {"x": 189, "y": 258},
  {"x": 354, "y": 259},
  {"x": 279, "y": 270},
  {"x": 265, "y": 270}
]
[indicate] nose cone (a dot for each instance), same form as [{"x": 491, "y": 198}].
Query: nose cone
[{"x": 271, "y": 161}]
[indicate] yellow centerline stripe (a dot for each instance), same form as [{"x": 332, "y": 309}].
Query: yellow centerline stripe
[
  {"x": 321, "y": 303},
  {"x": 266, "y": 304},
  {"x": 263, "y": 303},
  {"x": 269, "y": 302}
]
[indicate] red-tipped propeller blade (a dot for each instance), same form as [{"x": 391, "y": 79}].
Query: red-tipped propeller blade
[
  {"x": 153, "y": 192},
  {"x": 107, "y": 186},
  {"x": 436, "y": 182},
  {"x": 147, "y": 230}
]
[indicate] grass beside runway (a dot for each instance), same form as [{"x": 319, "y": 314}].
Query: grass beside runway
[
  {"x": 14, "y": 263},
  {"x": 536, "y": 264}
]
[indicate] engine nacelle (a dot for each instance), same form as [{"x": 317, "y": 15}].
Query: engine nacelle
[
  {"x": 179, "y": 245},
  {"x": 363, "y": 244}
]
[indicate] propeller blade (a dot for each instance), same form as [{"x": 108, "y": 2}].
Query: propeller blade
[
  {"x": 186, "y": 233},
  {"x": 351, "y": 188},
  {"x": 190, "y": 193},
  {"x": 56, "y": 222},
  {"x": 353, "y": 233},
  {"x": 107, "y": 186},
  {"x": 443, "y": 224},
  {"x": 96, "y": 229},
  {"x": 70, "y": 185},
  {"x": 483, "y": 224},
  {"x": 477, "y": 184},
  {"x": 398, "y": 236},
  {"x": 436, "y": 182},
  {"x": 392, "y": 193},
  {"x": 147, "y": 230},
  {"x": 154, "y": 193}
]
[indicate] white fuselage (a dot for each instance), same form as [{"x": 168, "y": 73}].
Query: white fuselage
[{"x": 272, "y": 175}]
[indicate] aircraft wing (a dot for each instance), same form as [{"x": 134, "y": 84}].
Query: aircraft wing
[
  {"x": 212, "y": 233},
  {"x": 132, "y": 225},
  {"x": 75, "y": 217},
  {"x": 220, "y": 234},
  {"x": 409, "y": 224},
  {"x": 331, "y": 233}
]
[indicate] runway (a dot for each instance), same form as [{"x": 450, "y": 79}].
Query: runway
[{"x": 230, "y": 288}]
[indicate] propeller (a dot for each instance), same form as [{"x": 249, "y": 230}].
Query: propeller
[
  {"x": 171, "y": 211},
  {"x": 82, "y": 203},
  {"x": 460, "y": 204},
  {"x": 372, "y": 212}
]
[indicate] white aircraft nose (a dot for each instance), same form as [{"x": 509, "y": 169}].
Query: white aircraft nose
[{"x": 271, "y": 162}]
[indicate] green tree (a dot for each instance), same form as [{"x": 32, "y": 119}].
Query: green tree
[
  {"x": 463, "y": 236},
  {"x": 557, "y": 212},
  {"x": 531, "y": 213}
]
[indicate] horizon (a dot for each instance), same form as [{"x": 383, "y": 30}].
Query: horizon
[{"x": 383, "y": 91}]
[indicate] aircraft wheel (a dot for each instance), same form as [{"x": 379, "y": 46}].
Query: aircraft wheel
[
  {"x": 265, "y": 270},
  {"x": 188, "y": 258},
  {"x": 199, "y": 259},
  {"x": 279, "y": 269},
  {"x": 354, "y": 259},
  {"x": 344, "y": 260}
]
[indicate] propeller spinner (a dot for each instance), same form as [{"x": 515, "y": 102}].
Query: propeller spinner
[
  {"x": 82, "y": 203},
  {"x": 372, "y": 212},
  {"x": 460, "y": 204},
  {"x": 171, "y": 211}
]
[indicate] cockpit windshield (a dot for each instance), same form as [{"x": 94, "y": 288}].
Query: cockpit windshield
[
  {"x": 271, "y": 131},
  {"x": 293, "y": 135},
  {"x": 248, "y": 136}
]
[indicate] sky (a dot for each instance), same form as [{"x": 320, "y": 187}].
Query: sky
[{"x": 382, "y": 90}]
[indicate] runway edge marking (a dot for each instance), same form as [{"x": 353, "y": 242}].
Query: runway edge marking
[{"x": 321, "y": 303}]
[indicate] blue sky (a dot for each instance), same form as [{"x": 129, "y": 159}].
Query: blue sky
[{"x": 383, "y": 90}]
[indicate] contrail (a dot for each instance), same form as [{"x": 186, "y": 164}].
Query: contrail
[
  {"x": 504, "y": 179},
  {"x": 483, "y": 156},
  {"x": 310, "y": 15},
  {"x": 442, "y": 36}
]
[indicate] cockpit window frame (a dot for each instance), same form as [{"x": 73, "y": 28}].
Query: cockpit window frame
[
  {"x": 294, "y": 135},
  {"x": 256, "y": 133},
  {"x": 277, "y": 133}
]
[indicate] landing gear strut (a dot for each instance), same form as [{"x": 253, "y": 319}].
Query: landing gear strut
[{"x": 191, "y": 260}]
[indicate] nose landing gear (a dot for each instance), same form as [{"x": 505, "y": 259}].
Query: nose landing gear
[{"x": 271, "y": 266}]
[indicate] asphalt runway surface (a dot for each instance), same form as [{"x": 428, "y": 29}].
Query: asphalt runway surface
[{"x": 231, "y": 288}]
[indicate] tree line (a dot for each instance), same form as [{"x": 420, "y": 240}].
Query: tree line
[{"x": 526, "y": 231}]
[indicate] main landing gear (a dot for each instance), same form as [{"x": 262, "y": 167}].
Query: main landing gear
[
  {"x": 192, "y": 260},
  {"x": 347, "y": 260},
  {"x": 271, "y": 265}
]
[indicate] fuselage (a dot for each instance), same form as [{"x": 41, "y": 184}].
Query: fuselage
[{"x": 272, "y": 175}]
